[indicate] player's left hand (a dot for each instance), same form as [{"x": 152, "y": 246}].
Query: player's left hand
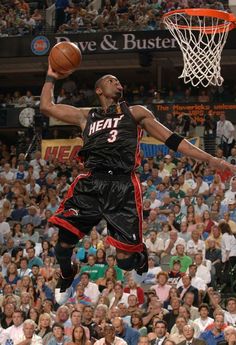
[{"x": 218, "y": 163}]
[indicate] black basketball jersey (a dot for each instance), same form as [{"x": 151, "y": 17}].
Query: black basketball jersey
[{"x": 111, "y": 140}]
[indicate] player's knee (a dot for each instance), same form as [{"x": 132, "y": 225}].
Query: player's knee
[
  {"x": 63, "y": 251},
  {"x": 128, "y": 263}
]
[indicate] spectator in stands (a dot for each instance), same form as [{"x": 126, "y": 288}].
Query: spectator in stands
[
  {"x": 187, "y": 287},
  {"x": 33, "y": 259},
  {"x": 225, "y": 131},
  {"x": 162, "y": 288},
  {"x": 125, "y": 332},
  {"x": 58, "y": 334},
  {"x": 31, "y": 217},
  {"x": 185, "y": 260},
  {"x": 215, "y": 335}
]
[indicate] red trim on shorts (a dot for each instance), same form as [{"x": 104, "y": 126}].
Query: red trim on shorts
[
  {"x": 66, "y": 225},
  {"x": 138, "y": 201},
  {"x": 123, "y": 246},
  {"x": 62, "y": 222},
  {"x": 70, "y": 192},
  {"x": 137, "y": 153}
]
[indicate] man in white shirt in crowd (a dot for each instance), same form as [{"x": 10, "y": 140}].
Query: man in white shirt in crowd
[
  {"x": 200, "y": 206},
  {"x": 15, "y": 331},
  {"x": 204, "y": 320},
  {"x": 29, "y": 327},
  {"x": 231, "y": 193},
  {"x": 153, "y": 270},
  {"x": 90, "y": 289},
  {"x": 202, "y": 187},
  {"x": 7, "y": 173},
  {"x": 38, "y": 163},
  {"x": 162, "y": 172},
  {"x": 33, "y": 188},
  {"x": 195, "y": 244},
  {"x": 203, "y": 271},
  {"x": 197, "y": 282},
  {"x": 155, "y": 203},
  {"x": 230, "y": 313},
  {"x": 119, "y": 296},
  {"x": 155, "y": 245},
  {"x": 225, "y": 132},
  {"x": 172, "y": 242}
]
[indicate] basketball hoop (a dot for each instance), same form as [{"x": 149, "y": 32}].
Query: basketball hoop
[{"x": 201, "y": 34}]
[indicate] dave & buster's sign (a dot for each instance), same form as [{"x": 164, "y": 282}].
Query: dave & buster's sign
[{"x": 90, "y": 43}]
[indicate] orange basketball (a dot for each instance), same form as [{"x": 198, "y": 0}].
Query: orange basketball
[{"x": 65, "y": 57}]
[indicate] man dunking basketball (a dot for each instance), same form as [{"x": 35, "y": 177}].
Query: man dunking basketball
[{"x": 109, "y": 188}]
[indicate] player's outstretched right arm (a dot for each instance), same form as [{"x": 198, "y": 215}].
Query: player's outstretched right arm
[{"x": 62, "y": 112}]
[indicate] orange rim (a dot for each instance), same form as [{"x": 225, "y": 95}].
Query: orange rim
[{"x": 205, "y": 12}]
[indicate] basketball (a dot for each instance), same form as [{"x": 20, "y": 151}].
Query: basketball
[{"x": 65, "y": 57}]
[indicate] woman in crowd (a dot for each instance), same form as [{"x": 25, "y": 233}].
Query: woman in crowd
[
  {"x": 33, "y": 314},
  {"x": 17, "y": 254},
  {"x": 46, "y": 250},
  {"x": 95, "y": 239},
  {"x": 85, "y": 250},
  {"x": 24, "y": 283},
  {"x": 47, "y": 271},
  {"x": 189, "y": 182},
  {"x": 132, "y": 288},
  {"x": 110, "y": 273},
  {"x": 109, "y": 290},
  {"x": 208, "y": 222},
  {"x": 79, "y": 337},
  {"x": 191, "y": 222},
  {"x": 137, "y": 323},
  {"x": 217, "y": 187},
  {"x": 17, "y": 233},
  {"x": 101, "y": 258},
  {"x": 44, "y": 327},
  {"x": 12, "y": 274},
  {"x": 215, "y": 211},
  {"x": 6, "y": 209}
]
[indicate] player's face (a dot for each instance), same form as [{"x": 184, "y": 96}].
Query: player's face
[{"x": 110, "y": 87}]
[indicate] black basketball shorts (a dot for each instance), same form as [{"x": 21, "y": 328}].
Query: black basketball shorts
[{"x": 117, "y": 199}]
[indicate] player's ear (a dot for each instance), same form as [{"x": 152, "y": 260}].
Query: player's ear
[{"x": 98, "y": 91}]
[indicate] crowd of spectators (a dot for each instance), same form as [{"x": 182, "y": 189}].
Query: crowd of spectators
[
  {"x": 127, "y": 15},
  {"x": 189, "y": 227},
  {"x": 21, "y": 17},
  {"x": 75, "y": 93}
]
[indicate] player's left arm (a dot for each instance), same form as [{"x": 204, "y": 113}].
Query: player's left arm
[{"x": 147, "y": 121}]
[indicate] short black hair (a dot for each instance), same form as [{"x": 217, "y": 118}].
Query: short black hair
[{"x": 58, "y": 324}]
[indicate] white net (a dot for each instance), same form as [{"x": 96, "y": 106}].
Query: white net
[{"x": 201, "y": 40}]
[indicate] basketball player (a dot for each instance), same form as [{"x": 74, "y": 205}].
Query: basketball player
[{"x": 109, "y": 188}]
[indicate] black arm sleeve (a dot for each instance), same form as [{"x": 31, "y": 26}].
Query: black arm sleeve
[{"x": 173, "y": 141}]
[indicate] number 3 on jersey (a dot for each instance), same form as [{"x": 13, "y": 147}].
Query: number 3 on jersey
[{"x": 112, "y": 136}]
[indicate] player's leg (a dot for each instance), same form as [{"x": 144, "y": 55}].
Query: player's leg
[
  {"x": 130, "y": 261},
  {"x": 125, "y": 225},
  {"x": 76, "y": 216},
  {"x": 64, "y": 251}
]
